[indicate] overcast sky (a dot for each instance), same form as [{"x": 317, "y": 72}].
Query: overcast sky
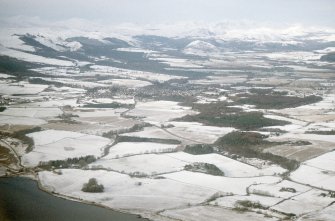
[{"x": 306, "y": 12}]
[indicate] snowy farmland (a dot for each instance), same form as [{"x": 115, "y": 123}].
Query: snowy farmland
[
  {"x": 158, "y": 112},
  {"x": 174, "y": 123},
  {"x": 125, "y": 193},
  {"x": 321, "y": 172},
  {"x": 222, "y": 184},
  {"x": 230, "y": 167},
  {"x": 61, "y": 145},
  {"x": 148, "y": 164},
  {"x": 125, "y": 149}
]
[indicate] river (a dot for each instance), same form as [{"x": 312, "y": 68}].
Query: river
[{"x": 21, "y": 199}]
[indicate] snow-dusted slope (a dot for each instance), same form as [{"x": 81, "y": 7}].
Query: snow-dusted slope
[{"x": 199, "y": 47}]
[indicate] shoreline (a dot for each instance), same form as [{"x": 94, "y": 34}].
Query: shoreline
[
  {"x": 40, "y": 187},
  {"x": 61, "y": 196},
  {"x": 30, "y": 173}
]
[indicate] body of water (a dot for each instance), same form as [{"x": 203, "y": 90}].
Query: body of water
[{"x": 20, "y": 199}]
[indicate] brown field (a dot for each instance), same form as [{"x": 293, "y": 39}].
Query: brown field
[{"x": 303, "y": 152}]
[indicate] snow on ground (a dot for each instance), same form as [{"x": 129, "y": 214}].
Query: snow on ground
[
  {"x": 230, "y": 201},
  {"x": 149, "y": 164},
  {"x": 327, "y": 103},
  {"x": 112, "y": 71},
  {"x": 2, "y": 75},
  {"x": 326, "y": 214},
  {"x": 15, "y": 144},
  {"x": 220, "y": 80},
  {"x": 59, "y": 71},
  {"x": 316, "y": 112},
  {"x": 176, "y": 62},
  {"x": 324, "y": 162},
  {"x": 293, "y": 56},
  {"x": 20, "y": 55},
  {"x": 124, "y": 192},
  {"x": 98, "y": 112},
  {"x": 74, "y": 82},
  {"x": 199, "y": 47},
  {"x": 316, "y": 176},
  {"x": 151, "y": 132},
  {"x": 133, "y": 148},
  {"x": 211, "y": 213},
  {"x": 98, "y": 121},
  {"x": 32, "y": 112},
  {"x": 132, "y": 83},
  {"x": 60, "y": 145},
  {"x": 21, "y": 88},
  {"x": 271, "y": 81},
  {"x": 324, "y": 126},
  {"x": 93, "y": 127},
  {"x": 51, "y": 103},
  {"x": 198, "y": 132},
  {"x": 230, "y": 167},
  {"x": 311, "y": 201},
  {"x": 65, "y": 91},
  {"x": 326, "y": 50},
  {"x": 57, "y": 46},
  {"x": 158, "y": 112},
  {"x": 298, "y": 135},
  {"x": 276, "y": 189},
  {"x": 205, "y": 100},
  {"x": 300, "y": 152},
  {"x": 220, "y": 183},
  {"x": 295, "y": 124},
  {"x": 133, "y": 49},
  {"x": 152, "y": 164},
  {"x": 9, "y": 40},
  {"x": 111, "y": 100},
  {"x": 304, "y": 68},
  {"x": 14, "y": 120}
]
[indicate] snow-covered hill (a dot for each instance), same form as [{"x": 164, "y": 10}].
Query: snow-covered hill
[{"x": 199, "y": 47}]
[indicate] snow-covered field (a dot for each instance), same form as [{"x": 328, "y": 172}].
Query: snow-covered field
[
  {"x": 124, "y": 149},
  {"x": 198, "y": 132},
  {"x": 15, "y": 120},
  {"x": 32, "y": 112},
  {"x": 220, "y": 80},
  {"x": 28, "y": 115},
  {"x": 230, "y": 201},
  {"x": 212, "y": 213},
  {"x": 151, "y": 132},
  {"x": 147, "y": 164},
  {"x": 112, "y": 71},
  {"x": 111, "y": 100},
  {"x": 324, "y": 162},
  {"x": 276, "y": 189},
  {"x": 176, "y": 62},
  {"x": 60, "y": 145},
  {"x": 131, "y": 83},
  {"x": 321, "y": 111},
  {"x": 327, "y": 213},
  {"x": 158, "y": 112},
  {"x": 149, "y": 178},
  {"x": 218, "y": 183},
  {"x": 230, "y": 167},
  {"x": 310, "y": 201},
  {"x": 21, "y": 88},
  {"x": 33, "y": 58},
  {"x": 320, "y": 170},
  {"x": 301, "y": 152},
  {"x": 125, "y": 193}
]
